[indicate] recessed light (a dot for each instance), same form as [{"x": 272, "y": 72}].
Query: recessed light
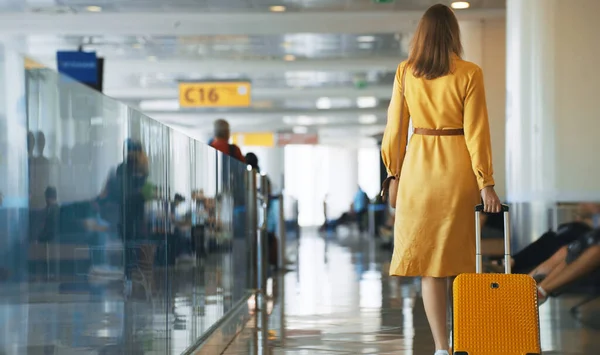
[
  {"x": 289, "y": 58},
  {"x": 93, "y": 8},
  {"x": 460, "y": 5},
  {"x": 152, "y": 58},
  {"x": 277, "y": 8},
  {"x": 367, "y": 119},
  {"x": 324, "y": 103},
  {"x": 365, "y": 39},
  {"x": 366, "y": 102},
  {"x": 300, "y": 129},
  {"x": 137, "y": 45}
]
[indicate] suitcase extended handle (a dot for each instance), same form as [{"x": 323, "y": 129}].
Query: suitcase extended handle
[
  {"x": 479, "y": 261},
  {"x": 479, "y": 208}
]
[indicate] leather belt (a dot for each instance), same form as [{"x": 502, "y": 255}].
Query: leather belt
[{"x": 439, "y": 132}]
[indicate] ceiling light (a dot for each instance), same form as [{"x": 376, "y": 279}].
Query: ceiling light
[
  {"x": 137, "y": 45},
  {"x": 159, "y": 105},
  {"x": 324, "y": 103},
  {"x": 93, "y": 8},
  {"x": 366, "y": 39},
  {"x": 289, "y": 58},
  {"x": 300, "y": 130},
  {"x": 366, "y": 102},
  {"x": 152, "y": 58},
  {"x": 367, "y": 119},
  {"x": 460, "y": 5},
  {"x": 277, "y": 8},
  {"x": 305, "y": 120}
]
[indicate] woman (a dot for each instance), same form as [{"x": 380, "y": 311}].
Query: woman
[{"x": 447, "y": 168}]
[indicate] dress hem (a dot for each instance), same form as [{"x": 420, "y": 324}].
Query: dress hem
[{"x": 439, "y": 276}]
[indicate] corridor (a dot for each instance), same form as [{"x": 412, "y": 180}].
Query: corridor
[{"x": 339, "y": 300}]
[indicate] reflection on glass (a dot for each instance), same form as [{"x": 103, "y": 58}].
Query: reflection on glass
[{"x": 126, "y": 233}]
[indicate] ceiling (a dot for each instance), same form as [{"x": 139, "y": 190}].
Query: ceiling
[
  {"x": 327, "y": 65},
  {"x": 232, "y": 5}
]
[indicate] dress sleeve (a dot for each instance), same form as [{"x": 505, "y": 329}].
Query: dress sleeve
[
  {"x": 393, "y": 145},
  {"x": 477, "y": 130}
]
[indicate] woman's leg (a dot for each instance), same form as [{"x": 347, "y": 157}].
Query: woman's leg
[
  {"x": 435, "y": 293},
  {"x": 450, "y": 308},
  {"x": 584, "y": 264},
  {"x": 547, "y": 266}
]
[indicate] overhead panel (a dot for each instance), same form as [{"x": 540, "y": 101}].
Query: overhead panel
[{"x": 284, "y": 139}]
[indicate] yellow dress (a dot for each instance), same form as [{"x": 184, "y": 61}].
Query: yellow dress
[{"x": 440, "y": 176}]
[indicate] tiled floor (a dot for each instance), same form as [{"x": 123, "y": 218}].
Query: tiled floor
[{"x": 340, "y": 301}]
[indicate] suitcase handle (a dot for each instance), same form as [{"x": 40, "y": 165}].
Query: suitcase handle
[
  {"x": 478, "y": 257},
  {"x": 479, "y": 208}
]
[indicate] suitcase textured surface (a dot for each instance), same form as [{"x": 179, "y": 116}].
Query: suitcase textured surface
[{"x": 495, "y": 314}]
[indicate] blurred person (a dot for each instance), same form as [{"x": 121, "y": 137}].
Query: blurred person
[
  {"x": 39, "y": 177},
  {"x": 252, "y": 160},
  {"x": 220, "y": 142},
  {"x": 111, "y": 197},
  {"x": 386, "y": 231},
  {"x": 50, "y": 228},
  {"x": 357, "y": 212},
  {"x": 447, "y": 169},
  {"x": 550, "y": 242},
  {"x": 51, "y": 216},
  {"x": 134, "y": 231},
  {"x": 568, "y": 264},
  {"x": 122, "y": 203}
]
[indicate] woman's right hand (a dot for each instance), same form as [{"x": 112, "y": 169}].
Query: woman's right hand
[{"x": 491, "y": 201}]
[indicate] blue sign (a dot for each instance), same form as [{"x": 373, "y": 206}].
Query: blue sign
[{"x": 81, "y": 66}]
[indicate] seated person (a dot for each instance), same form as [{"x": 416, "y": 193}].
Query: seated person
[
  {"x": 550, "y": 242},
  {"x": 386, "y": 232},
  {"x": 568, "y": 264},
  {"x": 357, "y": 213}
]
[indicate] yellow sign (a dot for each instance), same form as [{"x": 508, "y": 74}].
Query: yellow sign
[
  {"x": 266, "y": 139},
  {"x": 31, "y": 64},
  {"x": 214, "y": 94}
]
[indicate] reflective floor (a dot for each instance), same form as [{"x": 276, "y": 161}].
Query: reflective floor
[
  {"x": 92, "y": 316},
  {"x": 340, "y": 301}
]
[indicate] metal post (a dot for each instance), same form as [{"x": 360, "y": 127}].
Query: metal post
[
  {"x": 281, "y": 262},
  {"x": 371, "y": 214},
  {"x": 252, "y": 227},
  {"x": 263, "y": 266},
  {"x": 263, "y": 262}
]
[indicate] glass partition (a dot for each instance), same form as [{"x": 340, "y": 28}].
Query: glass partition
[{"x": 119, "y": 235}]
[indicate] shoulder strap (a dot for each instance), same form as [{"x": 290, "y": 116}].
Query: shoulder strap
[
  {"x": 402, "y": 114},
  {"x": 232, "y": 150}
]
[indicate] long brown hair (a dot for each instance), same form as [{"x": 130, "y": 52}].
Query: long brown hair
[{"x": 437, "y": 39}]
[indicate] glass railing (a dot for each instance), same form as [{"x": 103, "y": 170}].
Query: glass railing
[{"x": 118, "y": 235}]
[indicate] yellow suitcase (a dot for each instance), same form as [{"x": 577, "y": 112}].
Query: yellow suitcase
[{"x": 495, "y": 314}]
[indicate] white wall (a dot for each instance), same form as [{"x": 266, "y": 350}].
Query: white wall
[
  {"x": 271, "y": 161},
  {"x": 484, "y": 43},
  {"x": 576, "y": 101},
  {"x": 312, "y": 172}
]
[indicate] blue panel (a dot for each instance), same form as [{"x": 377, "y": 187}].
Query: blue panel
[{"x": 81, "y": 66}]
